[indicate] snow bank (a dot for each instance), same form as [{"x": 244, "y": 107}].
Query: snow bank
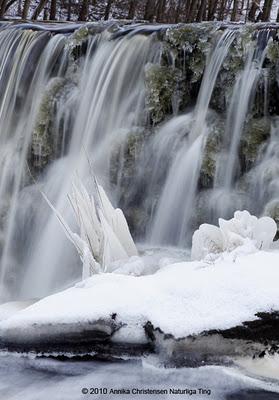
[
  {"x": 12, "y": 307},
  {"x": 243, "y": 229},
  {"x": 181, "y": 299}
]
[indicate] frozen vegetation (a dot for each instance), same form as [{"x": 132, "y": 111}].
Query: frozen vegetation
[
  {"x": 104, "y": 235},
  {"x": 244, "y": 230}
]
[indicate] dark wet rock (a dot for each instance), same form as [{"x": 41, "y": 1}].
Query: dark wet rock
[
  {"x": 256, "y": 134},
  {"x": 253, "y": 395},
  {"x": 197, "y": 350},
  {"x": 162, "y": 84},
  {"x": 255, "y": 338},
  {"x": 264, "y": 329},
  {"x": 93, "y": 339}
]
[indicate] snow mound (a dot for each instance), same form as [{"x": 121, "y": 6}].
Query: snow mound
[
  {"x": 181, "y": 299},
  {"x": 12, "y": 307},
  {"x": 242, "y": 230}
]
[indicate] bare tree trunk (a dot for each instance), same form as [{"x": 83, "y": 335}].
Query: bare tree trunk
[
  {"x": 247, "y": 10},
  {"x": 83, "y": 12},
  {"x": 177, "y": 11},
  {"x": 212, "y": 9},
  {"x": 267, "y": 10},
  {"x": 235, "y": 10},
  {"x": 53, "y": 6},
  {"x": 3, "y": 4},
  {"x": 254, "y": 8},
  {"x": 45, "y": 15},
  {"x": 132, "y": 9},
  {"x": 149, "y": 10},
  {"x": 201, "y": 11},
  {"x": 69, "y": 10},
  {"x": 277, "y": 19},
  {"x": 161, "y": 5},
  {"x": 192, "y": 11},
  {"x": 187, "y": 7},
  {"x": 107, "y": 10},
  {"x": 39, "y": 9},
  {"x": 25, "y": 9},
  {"x": 222, "y": 9}
]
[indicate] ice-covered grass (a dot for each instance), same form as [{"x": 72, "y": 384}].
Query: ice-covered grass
[
  {"x": 242, "y": 229},
  {"x": 182, "y": 299},
  {"x": 104, "y": 236}
]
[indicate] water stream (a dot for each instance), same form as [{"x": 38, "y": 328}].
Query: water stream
[{"x": 66, "y": 100}]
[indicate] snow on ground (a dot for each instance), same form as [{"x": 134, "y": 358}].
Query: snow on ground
[
  {"x": 12, "y": 307},
  {"x": 182, "y": 298}
]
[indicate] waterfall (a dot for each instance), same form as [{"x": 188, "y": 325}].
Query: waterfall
[
  {"x": 77, "y": 101},
  {"x": 108, "y": 101},
  {"x": 21, "y": 83},
  {"x": 176, "y": 203},
  {"x": 239, "y": 106}
]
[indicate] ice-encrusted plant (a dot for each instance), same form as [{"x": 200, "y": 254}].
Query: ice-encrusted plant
[
  {"x": 104, "y": 235},
  {"x": 242, "y": 230}
]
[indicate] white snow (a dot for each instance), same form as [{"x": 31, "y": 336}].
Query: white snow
[
  {"x": 243, "y": 229},
  {"x": 183, "y": 298},
  {"x": 12, "y": 307}
]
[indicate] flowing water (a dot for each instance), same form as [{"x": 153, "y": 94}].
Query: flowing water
[
  {"x": 176, "y": 203},
  {"x": 44, "y": 379},
  {"x": 65, "y": 101},
  {"x": 71, "y": 106}
]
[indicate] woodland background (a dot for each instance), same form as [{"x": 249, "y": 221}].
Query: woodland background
[{"x": 160, "y": 11}]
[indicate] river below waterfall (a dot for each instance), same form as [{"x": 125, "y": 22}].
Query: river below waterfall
[{"x": 44, "y": 379}]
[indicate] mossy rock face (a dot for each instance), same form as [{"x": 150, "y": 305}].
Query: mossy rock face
[
  {"x": 162, "y": 90},
  {"x": 256, "y": 133},
  {"x": 186, "y": 48},
  {"x": 43, "y": 138},
  {"x": 273, "y": 52},
  {"x": 231, "y": 68},
  {"x": 79, "y": 42},
  {"x": 123, "y": 172},
  {"x": 211, "y": 150}
]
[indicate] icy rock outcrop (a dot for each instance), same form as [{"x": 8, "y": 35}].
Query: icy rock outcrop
[{"x": 241, "y": 230}]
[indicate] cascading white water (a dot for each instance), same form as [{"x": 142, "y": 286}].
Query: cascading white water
[
  {"x": 111, "y": 102},
  {"x": 176, "y": 204},
  {"x": 57, "y": 110},
  {"x": 239, "y": 106},
  {"x": 22, "y": 86}
]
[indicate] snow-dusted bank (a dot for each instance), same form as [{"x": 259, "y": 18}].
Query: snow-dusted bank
[{"x": 230, "y": 294}]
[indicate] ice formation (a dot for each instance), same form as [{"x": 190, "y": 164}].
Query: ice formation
[
  {"x": 243, "y": 229},
  {"x": 104, "y": 233}
]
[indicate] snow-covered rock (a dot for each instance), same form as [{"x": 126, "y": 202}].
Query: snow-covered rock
[
  {"x": 181, "y": 299},
  {"x": 236, "y": 232},
  {"x": 12, "y": 307}
]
